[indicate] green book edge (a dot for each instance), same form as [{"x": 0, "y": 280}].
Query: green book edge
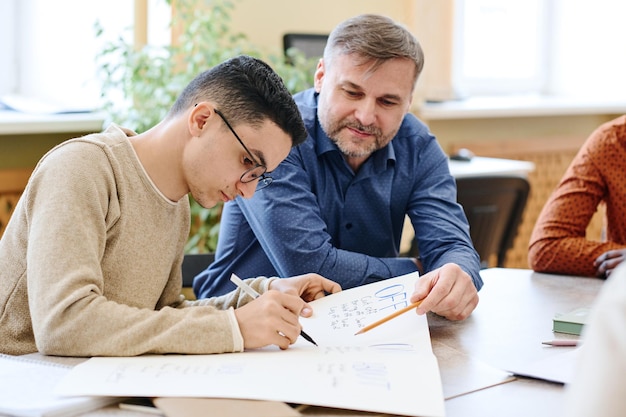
[{"x": 571, "y": 322}]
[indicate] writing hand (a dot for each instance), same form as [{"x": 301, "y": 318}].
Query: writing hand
[
  {"x": 308, "y": 286},
  {"x": 447, "y": 291},
  {"x": 271, "y": 319},
  {"x": 608, "y": 261}
]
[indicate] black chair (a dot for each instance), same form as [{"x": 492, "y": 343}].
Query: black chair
[
  {"x": 494, "y": 206},
  {"x": 310, "y": 44},
  {"x": 193, "y": 264}
]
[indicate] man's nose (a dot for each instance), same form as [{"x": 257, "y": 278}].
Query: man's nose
[
  {"x": 366, "y": 112},
  {"x": 247, "y": 189}
]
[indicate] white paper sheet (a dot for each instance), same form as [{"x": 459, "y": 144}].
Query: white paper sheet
[
  {"x": 27, "y": 389},
  {"x": 336, "y": 318},
  {"x": 558, "y": 368},
  {"x": 390, "y": 369}
]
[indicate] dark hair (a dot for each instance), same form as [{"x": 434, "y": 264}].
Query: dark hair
[
  {"x": 245, "y": 90},
  {"x": 374, "y": 38}
]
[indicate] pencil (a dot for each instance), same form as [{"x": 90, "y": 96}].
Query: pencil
[
  {"x": 561, "y": 342},
  {"x": 389, "y": 317}
]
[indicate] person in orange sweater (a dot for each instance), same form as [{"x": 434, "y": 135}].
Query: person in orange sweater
[{"x": 596, "y": 175}]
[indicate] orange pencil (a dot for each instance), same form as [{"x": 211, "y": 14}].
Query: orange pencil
[{"x": 389, "y": 317}]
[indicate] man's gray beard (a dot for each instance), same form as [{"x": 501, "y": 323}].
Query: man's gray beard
[
  {"x": 351, "y": 153},
  {"x": 359, "y": 153}
]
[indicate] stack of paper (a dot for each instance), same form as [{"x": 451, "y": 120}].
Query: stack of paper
[
  {"x": 27, "y": 389},
  {"x": 390, "y": 369}
]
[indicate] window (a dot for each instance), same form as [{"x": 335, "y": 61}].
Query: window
[
  {"x": 500, "y": 46},
  {"x": 8, "y": 71},
  {"x": 565, "y": 47},
  {"x": 52, "y": 45},
  {"x": 589, "y": 43}
]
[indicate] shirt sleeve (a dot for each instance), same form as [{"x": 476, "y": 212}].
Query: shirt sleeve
[
  {"x": 558, "y": 243},
  {"x": 440, "y": 225}
]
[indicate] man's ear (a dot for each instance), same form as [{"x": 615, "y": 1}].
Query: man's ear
[
  {"x": 319, "y": 75},
  {"x": 199, "y": 116}
]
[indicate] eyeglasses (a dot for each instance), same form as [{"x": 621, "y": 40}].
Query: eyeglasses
[{"x": 258, "y": 171}]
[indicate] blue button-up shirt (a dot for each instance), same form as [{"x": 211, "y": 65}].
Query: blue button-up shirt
[{"x": 320, "y": 216}]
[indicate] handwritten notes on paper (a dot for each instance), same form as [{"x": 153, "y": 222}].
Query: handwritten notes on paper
[
  {"x": 359, "y": 311},
  {"x": 337, "y": 317},
  {"x": 390, "y": 369}
]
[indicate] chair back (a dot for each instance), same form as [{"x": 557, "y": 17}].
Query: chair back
[
  {"x": 494, "y": 206},
  {"x": 193, "y": 264},
  {"x": 310, "y": 44}
]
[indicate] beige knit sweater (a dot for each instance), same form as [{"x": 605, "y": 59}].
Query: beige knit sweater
[{"x": 90, "y": 262}]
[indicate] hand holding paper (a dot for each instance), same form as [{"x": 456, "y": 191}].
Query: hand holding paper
[{"x": 447, "y": 291}]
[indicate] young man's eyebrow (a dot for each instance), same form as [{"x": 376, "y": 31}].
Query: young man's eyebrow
[{"x": 259, "y": 155}]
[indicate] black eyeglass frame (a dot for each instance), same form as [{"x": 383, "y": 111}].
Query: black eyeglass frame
[{"x": 263, "y": 177}]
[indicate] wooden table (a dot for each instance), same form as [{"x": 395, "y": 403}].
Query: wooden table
[{"x": 513, "y": 317}]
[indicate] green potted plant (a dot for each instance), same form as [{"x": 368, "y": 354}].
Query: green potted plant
[{"x": 140, "y": 85}]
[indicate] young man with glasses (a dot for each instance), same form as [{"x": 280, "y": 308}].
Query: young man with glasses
[
  {"x": 339, "y": 201},
  {"x": 90, "y": 262}
]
